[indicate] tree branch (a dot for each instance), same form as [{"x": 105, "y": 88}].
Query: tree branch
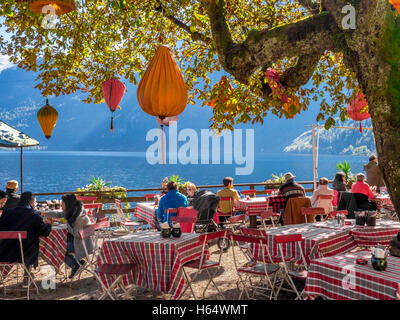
[
  {"x": 310, "y": 5},
  {"x": 194, "y": 35}
]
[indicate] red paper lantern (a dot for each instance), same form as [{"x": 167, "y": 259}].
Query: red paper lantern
[
  {"x": 357, "y": 109},
  {"x": 396, "y": 4},
  {"x": 113, "y": 91}
]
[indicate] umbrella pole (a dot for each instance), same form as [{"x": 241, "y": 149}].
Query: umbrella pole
[{"x": 21, "y": 169}]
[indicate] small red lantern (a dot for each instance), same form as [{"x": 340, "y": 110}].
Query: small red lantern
[
  {"x": 358, "y": 109},
  {"x": 113, "y": 91}
]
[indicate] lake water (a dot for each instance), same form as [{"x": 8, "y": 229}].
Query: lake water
[{"x": 51, "y": 171}]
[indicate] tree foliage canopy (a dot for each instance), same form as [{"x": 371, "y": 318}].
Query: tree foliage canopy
[{"x": 117, "y": 38}]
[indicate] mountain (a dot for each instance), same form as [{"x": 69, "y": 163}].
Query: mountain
[
  {"x": 86, "y": 127},
  {"x": 337, "y": 141}
]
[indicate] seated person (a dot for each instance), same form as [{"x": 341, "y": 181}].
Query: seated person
[
  {"x": 191, "y": 191},
  {"x": 323, "y": 190},
  {"x": 12, "y": 196},
  {"x": 290, "y": 188},
  {"x": 23, "y": 217},
  {"x": 77, "y": 219},
  {"x": 374, "y": 175},
  {"x": 173, "y": 199},
  {"x": 3, "y": 200},
  {"x": 227, "y": 192},
  {"x": 362, "y": 187},
  {"x": 338, "y": 185}
]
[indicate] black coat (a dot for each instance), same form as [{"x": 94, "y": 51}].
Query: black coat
[
  {"x": 12, "y": 201},
  {"x": 22, "y": 219}
]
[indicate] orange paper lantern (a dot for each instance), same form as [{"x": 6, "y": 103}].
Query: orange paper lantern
[
  {"x": 60, "y": 6},
  {"x": 162, "y": 91},
  {"x": 47, "y": 117}
]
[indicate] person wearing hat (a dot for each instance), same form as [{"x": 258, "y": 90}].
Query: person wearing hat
[
  {"x": 290, "y": 188},
  {"x": 12, "y": 196}
]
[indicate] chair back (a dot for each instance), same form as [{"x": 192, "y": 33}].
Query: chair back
[
  {"x": 9, "y": 235},
  {"x": 171, "y": 212},
  {"x": 293, "y": 214},
  {"x": 310, "y": 213},
  {"x": 237, "y": 219},
  {"x": 362, "y": 201},
  {"x": 291, "y": 241},
  {"x": 150, "y": 196},
  {"x": 205, "y": 238},
  {"x": 87, "y": 198},
  {"x": 187, "y": 212},
  {"x": 89, "y": 209},
  {"x": 186, "y": 223},
  {"x": 250, "y": 192},
  {"x": 253, "y": 232}
]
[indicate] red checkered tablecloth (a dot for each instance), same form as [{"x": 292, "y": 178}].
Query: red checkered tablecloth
[
  {"x": 146, "y": 212},
  {"x": 52, "y": 249},
  {"x": 252, "y": 206},
  {"x": 159, "y": 261},
  {"x": 340, "y": 278},
  {"x": 382, "y": 233},
  {"x": 317, "y": 242}
]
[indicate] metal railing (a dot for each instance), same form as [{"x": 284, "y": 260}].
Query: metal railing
[{"x": 138, "y": 198}]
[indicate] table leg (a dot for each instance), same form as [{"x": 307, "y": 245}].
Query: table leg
[{"x": 253, "y": 221}]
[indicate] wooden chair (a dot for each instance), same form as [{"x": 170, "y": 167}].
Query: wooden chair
[
  {"x": 9, "y": 266},
  {"x": 310, "y": 213},
  {"x": 203, "y": 264}
]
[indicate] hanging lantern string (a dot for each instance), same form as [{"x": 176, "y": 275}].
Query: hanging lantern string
[
  {"x": 162, "y": 144},
  {"x": 112, "y": 124}
]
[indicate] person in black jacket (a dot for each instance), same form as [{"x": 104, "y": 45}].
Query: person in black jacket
[
  {"x": 3, "y": 199},
  {"x": 24, "y": 217},
  {"x": 12, "y": 196}
]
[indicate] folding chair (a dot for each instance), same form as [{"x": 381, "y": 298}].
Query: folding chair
[
  {"x": 310, "y": 213},
  {"x": 204, "y": 264},
  {"x": 300, "y": 270},
  {"x": 118, "y": 270},
  {"x": 253, "y": 268},
  {"x": 92, "y": 210},
  {"x": 325, "y": 199},
  {"x": 186, "y": 223},
  {"x": 171, "y": 212},
  {"x": 125, "y": 223},
  {"x": 93, "y": 199},
  {"x": 92, "y": 231},
  {"x": 187, "y": 212},
  {"x": 250, "y": 192},
  {"x": 269, "y": 216},
  {"x": 13, "y": 235}
]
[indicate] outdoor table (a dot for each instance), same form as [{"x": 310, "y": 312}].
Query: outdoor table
[
  {"x": 158, "y": 260},
  {"x": 382, "y": 233},
  {"x": 52, "y": 249},
  {"x": 341, "y": 278},
  {"x": 252, "y": 207},
  {"x": 317, "y": 242},
  {"x": 147, "y": 212}
]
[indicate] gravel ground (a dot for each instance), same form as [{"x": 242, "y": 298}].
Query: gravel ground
[{"x": 86, "y": 287}]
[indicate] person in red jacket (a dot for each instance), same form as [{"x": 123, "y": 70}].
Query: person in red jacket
[{"x": 362, "y": 187}]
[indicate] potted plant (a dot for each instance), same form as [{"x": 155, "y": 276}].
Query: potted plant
[{"x": 277, "y": 180}]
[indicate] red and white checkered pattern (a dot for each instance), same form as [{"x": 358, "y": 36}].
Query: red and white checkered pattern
[
  {"x": 277, "y": 203},
  {"x": 159, "y": 261},
  {"x": 317, "y": 242},
  {"x": 252, "y": 206},
  {"x": 382, "y": 233},
  {"x": 52, "y": 249},
  {"x": 146, "y": 212},
  {"x": 340, "y": 278}
]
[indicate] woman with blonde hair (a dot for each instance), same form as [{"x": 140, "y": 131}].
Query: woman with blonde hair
[
  {"x": 191, "y": 189},
  {"x": 323, "y": 190}
]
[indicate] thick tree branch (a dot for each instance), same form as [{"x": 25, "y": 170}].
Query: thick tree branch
[{"x": 194, "y": 35}]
